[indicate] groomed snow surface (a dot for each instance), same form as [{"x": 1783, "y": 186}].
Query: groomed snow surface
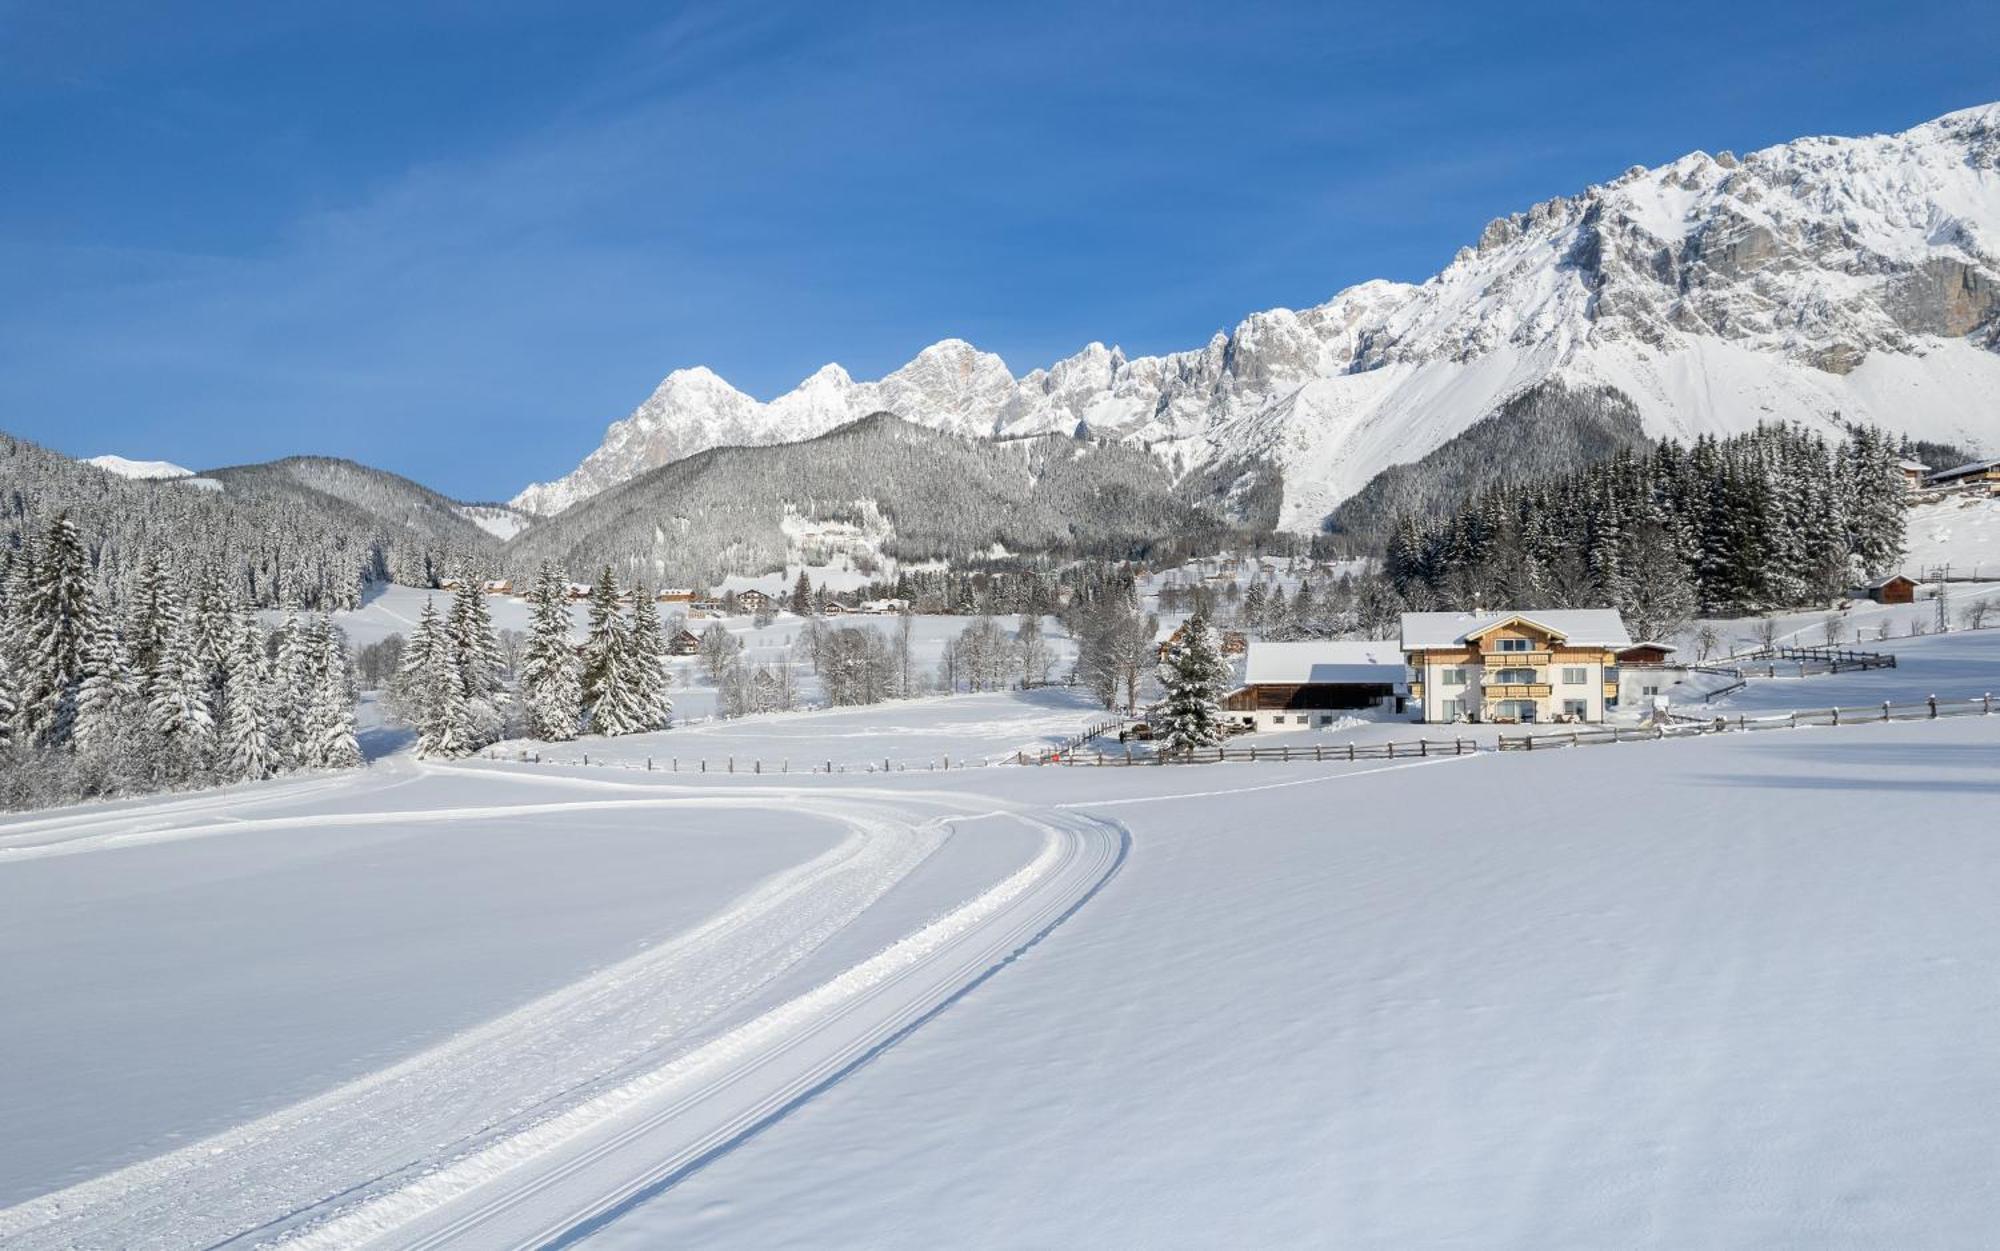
[{"x": 1730, "y": 991}]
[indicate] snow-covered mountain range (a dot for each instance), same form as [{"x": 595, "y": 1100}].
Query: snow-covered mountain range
[{"x": 1822, "y": 280}]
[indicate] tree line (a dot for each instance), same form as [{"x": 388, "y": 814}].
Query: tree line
[
  {"x": 1775, "y": 518},
  {"x": 178, "y": 685}
]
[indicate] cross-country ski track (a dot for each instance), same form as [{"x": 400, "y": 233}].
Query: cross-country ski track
[{"x": 550, "y": 1117}]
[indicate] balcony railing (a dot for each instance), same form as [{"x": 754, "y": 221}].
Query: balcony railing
[
  {"x": 1518, "y": 690},
  {"x": 1498, "y": 677},
  {"x": 1516, "y": 658}
]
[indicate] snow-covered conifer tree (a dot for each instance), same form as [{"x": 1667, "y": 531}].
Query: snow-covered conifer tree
[
  {"x": 177, "y": 702},
  {"x": 246, "y": 727},
  {"x": 1195, "y": 678},
  {"x": 51, "y": 624},
  {"x": 649, "y": 661},
  {"x": 551, "y": 678},
  {"x": 108, "y": 698},
  {"x": 329, "y": 739}
]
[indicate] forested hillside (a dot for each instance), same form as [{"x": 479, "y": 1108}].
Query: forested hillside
[
  {"x": 941, "y": 496},
  {"x": 309, "y": 531},
  {"x": 1772, "y": 519},
  {"x": 1550, "y": 429}
]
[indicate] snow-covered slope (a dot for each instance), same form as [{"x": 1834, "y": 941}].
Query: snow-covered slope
[
  {"x": 498, "y": 520},
  {"x": 1822, "y": 280},
  {"x": 139, "y": 468}
]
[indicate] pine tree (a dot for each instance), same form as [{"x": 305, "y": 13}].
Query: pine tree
[
  {"x": 246, "y": 726},
  {"x": 51, "y": 625},
  {"x": 802, "y": 595},
  {"x": 289, "y": 688},
  {"x": 330, "y": 741},
  {"x": 108, "y": 697},
  {"x": 605, "y": 633},
  {"x": 10, "y": 701},
  {"x": 649, "y": 662},
  {"x": 178, "y": 713},
  {"x": 551, "y": 681},
  {"x": 1196, "y": 678}
]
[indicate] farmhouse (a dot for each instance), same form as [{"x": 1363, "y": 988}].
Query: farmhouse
[
  {"x": 1978, "y": 473},
  {"x": 683, "y": 643},
  {"x": 1894, "y": 589},
  {"x": 1295, "y": 686},
  {"x": 1914, "y": 473},
  {"x": 753, "y": 600},
  {"x": 675, "y": 595},
  {"x": 1537, "y": 665},
  {"x": 500, "y": 586}
]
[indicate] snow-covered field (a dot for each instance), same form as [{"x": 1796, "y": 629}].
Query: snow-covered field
[{"x": 1730, "y": 991}]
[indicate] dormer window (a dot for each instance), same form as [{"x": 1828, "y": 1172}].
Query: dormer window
[{"x": 1511, "y": 645}]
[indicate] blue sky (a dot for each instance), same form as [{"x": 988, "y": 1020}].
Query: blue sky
[{"x": 455, "y": 240}]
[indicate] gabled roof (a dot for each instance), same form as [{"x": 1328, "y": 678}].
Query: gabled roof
[
  {"x": 1321, "y": 662},
  {"x": 1579, "y": 627},
  {"x": 1959, "y": 471},
  {"x": 1917, "y": 465},
  {"x": 1879, "y": 583},
  {"x": 1652, "y": 644}
]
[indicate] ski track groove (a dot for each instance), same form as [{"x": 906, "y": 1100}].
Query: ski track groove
[{"x": 462, "y": 1121}]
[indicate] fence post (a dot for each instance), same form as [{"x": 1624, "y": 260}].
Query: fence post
[
  {"x": 649, "y": 764},
  {"x": 1392, "y": 749},
  {"x": 1423, "y": 747},
  {"x": 885, "y": 764},
  {"x": 947, "y": 762},
  {"x": 758, "y": 766},
  {"x": 1933, "y": 703},
  {"x": 1350, "y": 751},
  {"x": 1836, "y": 715},
  {"x": 1989, "y": 704},
  {"x": 1885, "y": 710}
]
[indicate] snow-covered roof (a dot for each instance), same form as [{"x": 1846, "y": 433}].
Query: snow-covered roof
[
  {"x": 1959, "y": 471},
  {"x": 1917, "y": 465},
  {"x": 1582, "y": 627},
  {"x": 1881, "y": 582},
  {"x": 1321, "y": 662}
]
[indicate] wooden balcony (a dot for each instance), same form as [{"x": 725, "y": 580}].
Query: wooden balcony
[
  {"x": 1515, "y": 660},
  {"x": 1518, "y": 690},
  {"x": 1491, "y": 677}
]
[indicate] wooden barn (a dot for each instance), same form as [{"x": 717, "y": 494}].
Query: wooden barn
[
  {"x": 1297, "y": 686},
  {"x": 1894, "y": 589}
]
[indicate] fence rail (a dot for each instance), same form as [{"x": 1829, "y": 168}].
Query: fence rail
[
  {"x": 1411, "y": 749},
  {"x": 1927, "y": 709}
]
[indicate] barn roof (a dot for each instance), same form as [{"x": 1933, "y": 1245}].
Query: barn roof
[
  {"x": 1321, "y": 662},
  {"x": 1879, "y": 583},
  {"x": 1584, "y": 627}
]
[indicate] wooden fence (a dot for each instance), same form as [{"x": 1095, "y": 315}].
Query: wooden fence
[
  {"x": 1412, "y": 749},
  {"x": 1927, "y": 709},
  {"x": 1069, "y": 746}
]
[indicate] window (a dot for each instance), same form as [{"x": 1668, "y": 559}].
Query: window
[
  {"x": 1575, "y": 675},
  {"x": 1611, "y": 673},
  {"x": 1578, "y": 708},
  {"x": 1510, "y": 645},
  {"x": 1514, "y": 676},
  {"x": 1451, "y": 677}
]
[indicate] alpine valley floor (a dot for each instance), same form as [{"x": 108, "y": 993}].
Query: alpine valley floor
[{"x": 1731, "y": 991}]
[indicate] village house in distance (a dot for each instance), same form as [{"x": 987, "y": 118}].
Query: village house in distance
[{"x": 1553, "y": 665}]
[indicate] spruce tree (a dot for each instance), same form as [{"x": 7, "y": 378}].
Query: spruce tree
[
  {"x": 330, "y": 739},
  {"x": 802, "y": 595},
  {"x": 649, "y": 662},
  {"x": 51, "y": 626},
  {"x": 178, "y": 713},
  {"x": 108, "y": 697},
  {"x": 1196, "y": 678},
  {"x": 551, "y": 678},
  {"x": 246, "y": 726}
]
